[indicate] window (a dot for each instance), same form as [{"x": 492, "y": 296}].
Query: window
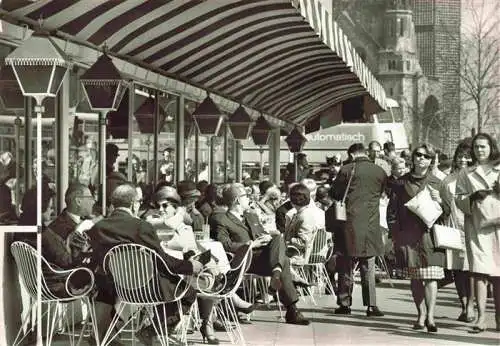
[
  {"x": 408, "y": 65},
  {"x": 402, "y": 27},
  {"x": 391, "y": 91}
]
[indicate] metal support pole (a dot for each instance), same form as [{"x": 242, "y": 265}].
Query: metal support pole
[
  {"x": 238, "y": 163},
  {"x": 196, "y": 153},
  {"x": 131, "y": 109},
  {"x": 102, "y": 158},
  {"x": 28, "y": 145},
  {"x": 296, "y": 166},
  {"x": 226, "y": 150},
  {"x": 39, "y": 110},
  {"x": 18, "y": 122},
  {"x": 276, "y": 157},
  {"x": 179, "y": 140},
  {"x": 62, "y": 142},
  {"x": 211, "y": 158},
  {"x": 155, "y": 140}
]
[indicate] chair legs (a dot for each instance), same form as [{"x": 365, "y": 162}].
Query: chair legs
[
  {"x": 18, "y": 340},
  {"x": 229, "y": 317}
]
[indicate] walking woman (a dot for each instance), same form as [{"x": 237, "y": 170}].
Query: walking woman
[
  {"x": 413, "y": 239},
  {"x": 482, "y": 242},
  {"x": 457, "y": 261}
]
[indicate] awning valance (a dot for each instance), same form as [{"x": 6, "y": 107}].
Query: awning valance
[{"x": 287, "y": 59}]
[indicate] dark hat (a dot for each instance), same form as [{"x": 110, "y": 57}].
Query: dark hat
[
  {"x": 111, "y": 149},
  {"x": 187, "y": 189},
  {"x": 264, "y": 186},
  {"x": 169, "y": 193}
]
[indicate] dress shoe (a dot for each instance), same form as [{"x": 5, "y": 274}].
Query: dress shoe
[
  {"x": 476, "y": 330},
  {"x": 342, "y": 310},
  {"x": 463, "y": 318},
  {"x": 292, "y": 316},
  {"x": 246, "y": 311},
  {"x": 431, "y": 328},
  {"x": 418, "y": 326},
  {"x": 374, "y": 311},
  {"x": 219, "y": 326},
  {"x": 276, "y": 280}
]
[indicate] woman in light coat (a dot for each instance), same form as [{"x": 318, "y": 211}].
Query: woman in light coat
[
  {"x": 482, "y": 243},
  {"x": 457, "y": 260}
]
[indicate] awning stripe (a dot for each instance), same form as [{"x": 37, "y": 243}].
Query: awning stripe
[{"x": 285, "y": 61}]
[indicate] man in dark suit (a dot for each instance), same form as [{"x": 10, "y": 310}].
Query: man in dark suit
[
  {"x": 238, "y": 227},
  {"x": 79, "y": 205},
  {"x": 360, "y": 236},
  {"x": 123, "y": 226}
]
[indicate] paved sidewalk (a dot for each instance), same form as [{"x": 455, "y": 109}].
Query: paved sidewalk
[{"x": 393, "y": 329}]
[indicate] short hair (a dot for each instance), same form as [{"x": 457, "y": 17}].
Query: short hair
[
  {"x": 264, "y": 186},
  {"x": 300, "y": 195},
  {"x": 494, "y": 152},
  {"x": 310, "y": 184},
  {"x": 397, "y": 161},
  {"x": 231, "y": 193},
  {"x": 429, "y": 148},
  {"x": 389, "y": 146},
  {"x": 322, "y": 192},
  {"x": 74, "y": 189},
  {"x": 463, "y": 148},
  {"x": 111, "y": 150},
  {"x": 124, "y": 195},
  {"x": 373, "y": 143},
  {"x": 356, "y": 148}
]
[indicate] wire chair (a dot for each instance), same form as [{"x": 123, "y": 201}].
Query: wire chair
[
  {"x": 313, "y": 268},
  {"x": 223, "y": 292},
  {"x": 135, "y": 272},
  {"x": 26, "y": 261}
]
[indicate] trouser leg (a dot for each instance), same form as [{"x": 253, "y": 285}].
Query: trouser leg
[
  {"x": 367, "y": 272},
  {"x": 345, "y": 280}
]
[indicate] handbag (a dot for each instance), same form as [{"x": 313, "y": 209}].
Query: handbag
[
  {"x": 448, "y": 237},
  {"x": 340, "y": 207}
]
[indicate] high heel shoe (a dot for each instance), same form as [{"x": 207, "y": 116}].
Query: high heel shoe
[
  {"x": 207, "y": 333},
  {"x": 431, "y": 328},
  {"x": 246, "y": 311}
]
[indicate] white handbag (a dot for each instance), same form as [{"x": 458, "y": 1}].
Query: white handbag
[
  {"x": 340, "y": 207},
  {"x": 448, "y": 237}
]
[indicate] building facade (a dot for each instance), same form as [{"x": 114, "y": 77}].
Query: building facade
[{"x": 407, "y": 44}]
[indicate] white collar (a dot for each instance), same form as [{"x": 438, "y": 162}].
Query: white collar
[{"x": 74, "y": 217}]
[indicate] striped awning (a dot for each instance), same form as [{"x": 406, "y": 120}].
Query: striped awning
[{"x": 287, "y": 59}]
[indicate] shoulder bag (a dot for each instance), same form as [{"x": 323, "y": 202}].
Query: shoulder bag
[
  {"x": 448, "y": 237},
  {"x": 340, "y": 207}
]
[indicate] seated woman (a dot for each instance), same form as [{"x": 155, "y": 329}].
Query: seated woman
[
  {"x": 171, "y": 219},
  {"x": 267, "y": 204}
]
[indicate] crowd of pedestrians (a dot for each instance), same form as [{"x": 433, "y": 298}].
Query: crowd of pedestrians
[{"x": 375, "y": 187}]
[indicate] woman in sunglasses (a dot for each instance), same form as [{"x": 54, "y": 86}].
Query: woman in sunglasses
[
  {"x": 457, "y": 261},
  {"x": 478, "y": 192},
  {"x": 413, "y": 239}
]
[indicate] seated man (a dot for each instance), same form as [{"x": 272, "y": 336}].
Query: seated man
[
  {"x": 123, "y": 226},
  {"x": 237, "y": 227}
]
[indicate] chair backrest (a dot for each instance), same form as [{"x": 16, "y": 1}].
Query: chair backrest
[
  {"x": 319, "y": 249},
  {"x": 26, "y": 260},
  {"x": 134, "y": 269},
  {"x": 234, "y": 276}
]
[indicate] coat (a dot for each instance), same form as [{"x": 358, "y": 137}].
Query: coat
[
  {"x": 362, "y": 232},
  {"x": 63, "y": 225},
  {"x": 482, "y": 244},
  {"x": 122, "y": 228},
  {"x": 412, "y": 238},
  {"x": 455, "y": 259},
  {"x": 233, "y": 233},
  {"x": 301, "y": 227}
]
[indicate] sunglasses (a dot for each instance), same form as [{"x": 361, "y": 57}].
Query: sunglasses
[
  {"x": 164, "y": 205},
  {"x": 419, "y": 155}
]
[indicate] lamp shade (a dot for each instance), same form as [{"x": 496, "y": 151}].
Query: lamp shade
[
  {"x": 103, "y": 85},
  {"x": 260, "y": 131},
  {"x": 39, "y": 66},
  {"x": 295, "y": 141},
  {"x": 208, "y": 118},
  {"x": 145, "y": 116},
  {"x": 10, "y": 93},
  {"x": 240, "y": 123},
  {"x": 117, "y": 121}
]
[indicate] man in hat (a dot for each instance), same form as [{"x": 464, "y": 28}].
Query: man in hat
[{"x": 189, "y": 195}]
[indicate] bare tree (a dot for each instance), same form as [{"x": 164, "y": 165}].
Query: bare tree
[{"x": 480, "y": 60}]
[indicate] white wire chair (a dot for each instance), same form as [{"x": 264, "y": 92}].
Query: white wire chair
[
  {"x": 226, "y": 310},
  {"x": 135, "y": 272},
  {"x": 26, "y": 261},
  {"x": 313, "y": 268}
]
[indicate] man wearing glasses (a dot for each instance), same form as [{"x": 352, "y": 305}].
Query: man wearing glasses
[{"x": 238, "y": 227}]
